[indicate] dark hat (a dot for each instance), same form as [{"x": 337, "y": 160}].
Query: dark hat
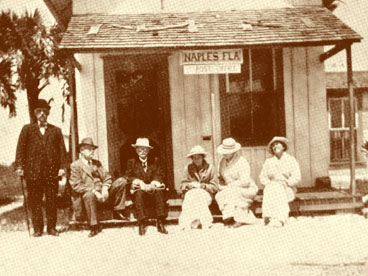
[
  {"x": 87, "y": 142},
  {"x": 41, "y": 103}
]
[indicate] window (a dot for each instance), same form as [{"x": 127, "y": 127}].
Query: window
[
  {"x": 339, "y": 118},
  {"x": 252, "y": 106}
]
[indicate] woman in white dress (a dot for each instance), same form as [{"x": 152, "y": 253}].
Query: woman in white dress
[
  {"x": 237, "y": 190},
  {"x": 199, "y": 185},
  {"x": 280, "y": 175}
]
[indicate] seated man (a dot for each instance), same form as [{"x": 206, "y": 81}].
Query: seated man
[
  {"x": 90, "y": 183},
  {"x": 145, "y": 177}
]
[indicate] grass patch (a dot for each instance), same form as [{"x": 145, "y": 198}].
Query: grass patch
[{"x": 9, "y": 185}]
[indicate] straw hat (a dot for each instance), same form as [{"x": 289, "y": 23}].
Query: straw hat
[
  {"x": 88, "y": 142},
  {"x": 197, "y": 150},
  {"x": 142, "y": 142},
  {"x": 280, "y": 139},
  {"x": 229, "y": 145}
]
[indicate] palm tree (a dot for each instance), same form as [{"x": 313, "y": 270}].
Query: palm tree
[{"x": 29, "y": 57}]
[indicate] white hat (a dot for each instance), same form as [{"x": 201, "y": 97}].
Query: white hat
[
  {"x": 280, "y": 139},
  {"x": 229, "y": 145},
  {"x": 197, "y": 150},
  {"x": 142, "y": 142}
]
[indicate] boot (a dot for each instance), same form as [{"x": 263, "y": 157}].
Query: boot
[
  {"x": 142, "y": 228},
  {"x": 161, "y": 227}
]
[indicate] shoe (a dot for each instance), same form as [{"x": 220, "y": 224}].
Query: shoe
[
  {"x": 120, "y": 215},
  {"x": 266, "y": 220},
  {"x": 229, "y": 221},
  {"x": 37, "y": 234},
  {"x": 142, "y": 228},
  {"x": 93, "y": 233},
  {"x": 95, "y": 229},
  {"x": 276, "y": 223},
  {"x": 161, "y": 228},
  {"x": 53, "y": 232},
  {"x": 238, "y": 224}
]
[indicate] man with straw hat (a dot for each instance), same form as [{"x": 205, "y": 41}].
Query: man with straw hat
[
  {"x": 146, "y": 179},
  {"x": 199, "y": 185},
  {"x": 237, "y": 189},
  {"x": 90, "y": 183}
]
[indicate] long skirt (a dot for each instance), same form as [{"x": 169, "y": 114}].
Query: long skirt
[
  {"x": 195, "y": 207},
  {"x": 234, "y": 203},
  {"x": 275, "y": 203}
]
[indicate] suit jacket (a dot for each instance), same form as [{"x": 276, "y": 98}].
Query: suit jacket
[
  {"x": 38, "y": 153},
  {"x": 84, "y": 178},
  {"x": 135, "y": 170}
]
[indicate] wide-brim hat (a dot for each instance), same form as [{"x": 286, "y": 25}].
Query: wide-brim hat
[
  {"x": 41, "y": 104},
  {"x": 142, "y": 142},
  {"x": 229, "y": 145},
  {"x": 197, "y": 150},
  {"x": 87, "y": 142},
  {"x": 280, "y": 139}
]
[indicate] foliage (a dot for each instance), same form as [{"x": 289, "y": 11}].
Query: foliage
[{"x": 29, "y": 57}]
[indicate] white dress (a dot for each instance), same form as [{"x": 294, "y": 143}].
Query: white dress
[
  {"x": 280, "y": 177},
  {"x": 238, "y": 190}
]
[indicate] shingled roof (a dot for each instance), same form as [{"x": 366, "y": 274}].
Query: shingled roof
[
  {"x": 287, "y": 26},
  {"x": 338, "y": 80}
]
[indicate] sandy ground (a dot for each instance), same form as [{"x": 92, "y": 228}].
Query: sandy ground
[{"x": 329, "y": 245}]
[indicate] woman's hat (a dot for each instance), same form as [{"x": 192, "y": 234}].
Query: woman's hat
[
  {"x": 87, "y": 142},
  {"x": 229, "y": 145},
  {"x": 280, "y": 139},
  {"x": 42, "y": 104},
  {"x": 142, "y": 142},
  {"x": 197, "y": 150}
]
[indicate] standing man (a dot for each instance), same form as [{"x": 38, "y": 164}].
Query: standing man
[
  {"x": 145, "y": 176},
  {"x": 41, "y": 158},
  {"x": 90, "y": 183}
]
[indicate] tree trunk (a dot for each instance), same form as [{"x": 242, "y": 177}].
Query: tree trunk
[{"x": 32, "y": 96}]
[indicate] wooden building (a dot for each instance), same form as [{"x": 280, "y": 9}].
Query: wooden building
[{"x": 197, "y": 76}]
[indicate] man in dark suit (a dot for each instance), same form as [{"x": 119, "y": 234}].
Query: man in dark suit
[
  {"x": 90, "y": 183},
  {"x": 41, "y": 158},
  {"x": 145, "y": 177}
]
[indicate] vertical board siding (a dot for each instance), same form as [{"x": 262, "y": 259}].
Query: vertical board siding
[
  {"x": 178, "y": 123},
  {"x": 86, "y": 98},
  {"x": 255, "y": 156},
  {"x": 301, "y": 105},
  {"x": 102, "y": 140},
  {"x": 319, "y": 134}
]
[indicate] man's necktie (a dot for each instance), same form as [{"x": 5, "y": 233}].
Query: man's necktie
[{"x": 144, "y": 165}]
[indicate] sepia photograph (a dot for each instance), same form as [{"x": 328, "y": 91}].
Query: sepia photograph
[{"x": 183, "y": 137}]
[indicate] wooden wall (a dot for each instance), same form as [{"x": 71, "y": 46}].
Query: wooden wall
[
  {"x": 192, "y": 113},
  {"x": 91, "y": 108},
  {"x": 306, "y": 111}
]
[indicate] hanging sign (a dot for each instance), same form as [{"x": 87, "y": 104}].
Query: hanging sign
[
  {"x": 222, "y": 61},
  {"x": 212, "y": 69},
  {"x": 211, "y": 56}
]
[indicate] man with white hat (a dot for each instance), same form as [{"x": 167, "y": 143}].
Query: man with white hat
[
  {"x": 90, "y": 183},
  {"x": 145, "y": 177}
]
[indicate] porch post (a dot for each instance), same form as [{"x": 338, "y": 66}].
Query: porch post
[
  {"x": 73, "y": 115},
  {"x": 352, "y": 119}
]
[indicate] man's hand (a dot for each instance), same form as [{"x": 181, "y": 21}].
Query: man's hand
[
  {"x": 195, "y": 185},
  {"x": 61, "y": 172},
  {"x": 20, "y": 172},
  {"x": 148, "y": 187},
  {"x": 157, "y": 184},
  {"x": 105, "y": 193},
  {"x": 136, "y": 184},
  {"x": 99, "y": 196}
]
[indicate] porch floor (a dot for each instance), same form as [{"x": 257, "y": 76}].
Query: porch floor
[{"x": 309, "y": 201}]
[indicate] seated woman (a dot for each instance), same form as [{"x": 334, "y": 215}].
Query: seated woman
[
  {"x": 199, "y": 186},
  {"x": 237, "y": 189},
  {"x": 280, "y": 174}
]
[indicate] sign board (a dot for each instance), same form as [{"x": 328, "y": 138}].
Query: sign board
[
  {"x": 200, "y": 69},
  {"x": 217, "y": 57}
]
